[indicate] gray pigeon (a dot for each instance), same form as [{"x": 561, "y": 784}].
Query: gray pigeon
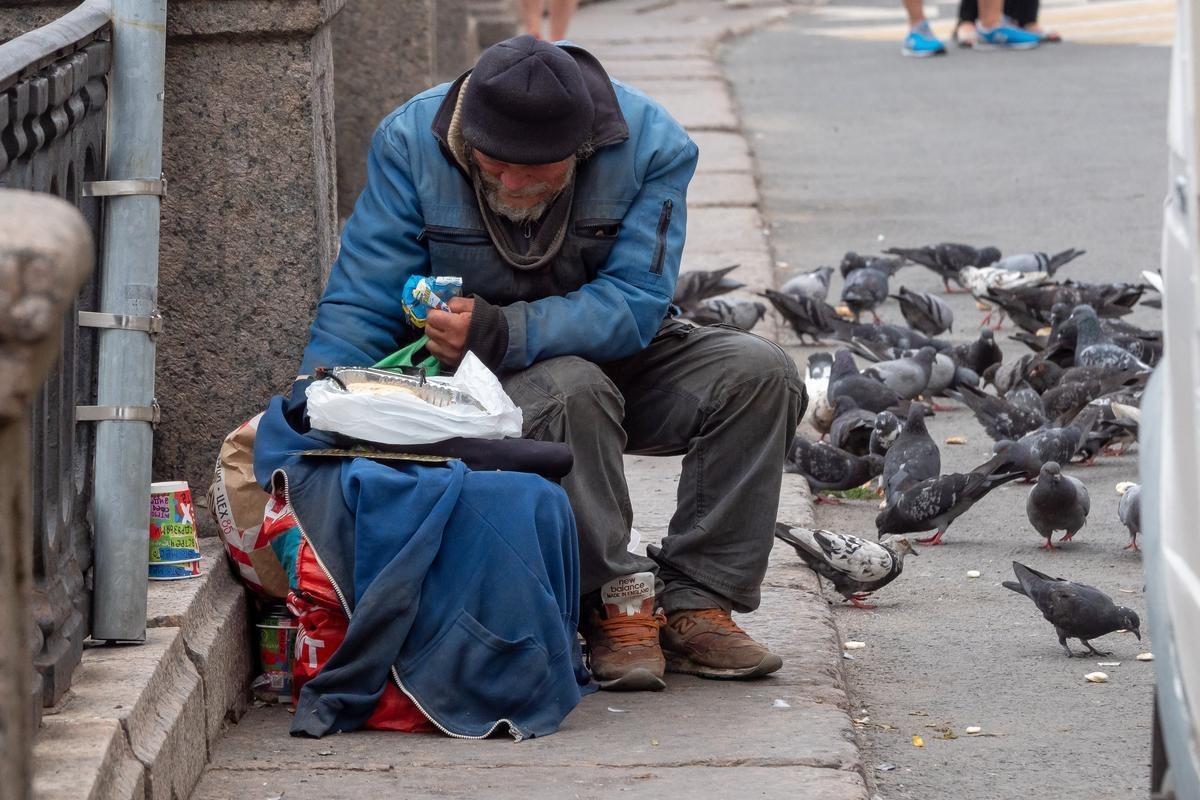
[
  {"x": 1094, "y": 348},
  {"x": 948, "y": 258},
  {"x": 864, "y": 290},
  {"x": 1076, "y": 610},
  {"x": 1129, "y": 510},
  {"x": 806, "y": 315},
  {"x": 869, "y": 393},
  {"x": 695, "y": 286},
  {"x": 999, "y": 418},
  {"x": 1057, "y": 502},
  {"x": 979, "y": 354},
  {"x": 914, "y": 451},
  {"x": 1047, "y": 445},
  {"x": 926, "y": 313},
  {"x": 1039, "y": 262},
  {"x": 943, "y": 375},
  {"x": 852, "y": 261},
  {"x": 829, "y": 469},
  {"x": 813, "y": 284},
  {"x": 908, "y": 376},
  {"x": 1025, "y": 396},
  {"x": 743, "y": 314},
  {"x": 935, "y": 503},
  {"x": 851, "y": 428},
  {"x": 856, "y": 567}
]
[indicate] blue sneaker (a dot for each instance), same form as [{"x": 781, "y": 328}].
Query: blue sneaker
[
  {"x": 1006, "y": 35},
  {"x": 921, "y": 42}
]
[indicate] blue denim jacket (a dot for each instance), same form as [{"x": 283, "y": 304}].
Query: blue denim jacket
[{"x": 603, "y": 298}]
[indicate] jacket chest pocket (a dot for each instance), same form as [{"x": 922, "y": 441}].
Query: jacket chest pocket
[{"x": 592, "y": 240}]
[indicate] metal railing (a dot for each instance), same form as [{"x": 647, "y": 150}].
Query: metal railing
[{"x": 53, "y": 97}]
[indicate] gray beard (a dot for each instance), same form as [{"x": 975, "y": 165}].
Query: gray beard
[{"x": 491, "y": 193}]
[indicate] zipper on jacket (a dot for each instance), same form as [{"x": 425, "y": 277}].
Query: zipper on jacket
[
  {"x": 287, "y": 499},
  {"x": 470, "y": 237},
  {"x": 660, "y": 248}
]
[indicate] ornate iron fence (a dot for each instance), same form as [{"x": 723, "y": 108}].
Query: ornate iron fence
[{"x": 53, "y": 94}]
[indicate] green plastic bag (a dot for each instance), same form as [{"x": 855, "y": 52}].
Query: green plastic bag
[{"x": 405, "y": 355}]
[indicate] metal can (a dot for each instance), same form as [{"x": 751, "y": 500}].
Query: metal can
[{"x": 276, "y": 640}]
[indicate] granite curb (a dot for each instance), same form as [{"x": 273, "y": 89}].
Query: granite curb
[{"x": 139, "y": 720}]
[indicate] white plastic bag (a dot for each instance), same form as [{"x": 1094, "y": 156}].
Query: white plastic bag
[{"x": 400, "y": 418}]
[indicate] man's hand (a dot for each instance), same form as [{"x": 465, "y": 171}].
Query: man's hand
[{"x": 448, "y": 330}]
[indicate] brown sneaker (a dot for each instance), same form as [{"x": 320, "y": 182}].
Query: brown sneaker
[
  {"x": 622, "y": 635},
  {"x": 707, "y": 642}
]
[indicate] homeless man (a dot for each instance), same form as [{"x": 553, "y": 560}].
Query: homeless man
[{"x": 559, "y": 196}]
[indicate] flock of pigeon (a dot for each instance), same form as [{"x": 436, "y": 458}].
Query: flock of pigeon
[{"x": 1074, "y": 396}]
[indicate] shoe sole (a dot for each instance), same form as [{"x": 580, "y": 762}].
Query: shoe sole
[
  {"x": 1026, "y": 46},
  {"x": 685, "y": 666},
  {"x": 636, "y": 680},
  {"x": 921, "y": 54}
]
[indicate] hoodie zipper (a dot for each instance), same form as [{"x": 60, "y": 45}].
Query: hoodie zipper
[
  {"x": 660, "y": 248},
  {"x": 287, "y": 498}
]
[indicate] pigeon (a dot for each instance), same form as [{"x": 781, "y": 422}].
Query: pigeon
[
  {"x": 868, "y": 393},
  {"x": 816, "y": 384},
  {"x": 999, "y": 418},
  {"x": 813, "y": 284},
  {"x": 908, "y": 376},
  {"x": 1076, "y": 610},
  {"x": 1129, "y": 511},
  {"x": 829, "y": 469},
  {"x": 948, "y": 258},
  {"x": 856, "y": 567},
  {"x": 979, "y": 354},
  {"x": 853, "y": 261},
  {"x": 935, "y": 503},
  {"x": 913, "y": 451},
  {"x": 881, "y": 338},
  {"x": 884, "y": 433},
  {"x": 1024, "y": 396},
  {"x": 743, "y": 314},
  {"x": 807, "y": 316},
  {"x": 1043, "y": 376},
  {"x": 851, "y": 428},
  {"x": 1039, "y": 262},
  {"x": 1063, "y": 340},
  {"x": 1069, "y": 397},
  {"x": 864, "y": 290},
  {"x": 928, "y": 314},
  {"x": 1027, "y": 316},
  {"x": 982, "y": 281},
  {"x": 1094, "y": 348},
  {"x": 695, "y": 286},
  {"x": 1044, "y": 445},
  {"x": 1057, "y": 502}
]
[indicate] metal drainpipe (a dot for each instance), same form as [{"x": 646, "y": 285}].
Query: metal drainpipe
[{"x": 124, "y": 447}]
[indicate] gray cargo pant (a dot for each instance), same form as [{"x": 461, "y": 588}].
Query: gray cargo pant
[{"x": 728, "y": 401}]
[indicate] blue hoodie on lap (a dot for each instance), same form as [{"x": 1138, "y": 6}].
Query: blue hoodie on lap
[{"x": 461, "y": 586}]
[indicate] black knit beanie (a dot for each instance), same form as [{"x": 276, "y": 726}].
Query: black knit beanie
[{"x": 526, "y": 103}]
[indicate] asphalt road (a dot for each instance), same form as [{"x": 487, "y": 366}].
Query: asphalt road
[{"x": 859, "y": 148}]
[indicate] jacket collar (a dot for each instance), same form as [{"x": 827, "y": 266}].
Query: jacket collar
[{"x": 608, "y": 128}]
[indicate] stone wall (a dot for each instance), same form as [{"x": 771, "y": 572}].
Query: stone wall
[
  {"x": 383, "y": 55},
  {"x": 249, "y": 221}
]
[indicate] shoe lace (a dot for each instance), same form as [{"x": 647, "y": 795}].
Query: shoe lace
[
  {"x": 626, "y": 630},
  {"x": 719, "y": 618}
]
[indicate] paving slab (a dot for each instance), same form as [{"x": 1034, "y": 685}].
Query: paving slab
[
  {"x": 722, "y": 189},
  {"x": 696, "y": 104},
  {"x": 93, "y": 749},
  {"x": 635, "y": 71},
  {"x": 722, "y": 151}
]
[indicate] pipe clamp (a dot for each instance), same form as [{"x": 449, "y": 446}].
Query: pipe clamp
[
  {"x": 151, "y": 324},
  {"x": 150, "y": 413},
  {"x": 125, "y": 188}
]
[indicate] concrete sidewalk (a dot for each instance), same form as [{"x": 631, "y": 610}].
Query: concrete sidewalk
[{"x": 789, "y": 735}]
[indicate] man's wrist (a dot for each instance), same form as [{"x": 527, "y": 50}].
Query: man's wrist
[{"x": 487, "y": 337}]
